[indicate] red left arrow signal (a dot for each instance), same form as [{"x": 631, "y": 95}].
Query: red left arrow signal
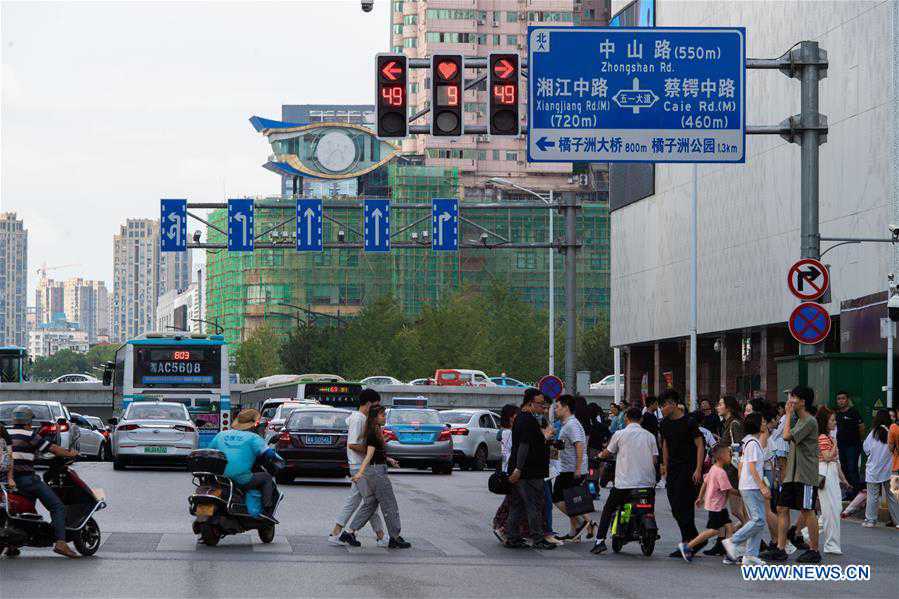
[
  {"x": 392, "y": 71},
  {"x": 503, "y": 68}
]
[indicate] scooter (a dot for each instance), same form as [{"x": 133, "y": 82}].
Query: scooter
[
  {"x": 22, "y": 526},
  {"x": 220, "y": 507},
  {"x": 635, "y": 520}
]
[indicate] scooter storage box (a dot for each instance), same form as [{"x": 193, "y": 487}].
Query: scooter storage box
[{"x": 207, "y": 460}]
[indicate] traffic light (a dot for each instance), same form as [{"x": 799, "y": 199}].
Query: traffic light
[
  {"x": 392, "y": 95},
  {"x": 447, "y": 77},
  {"x": 503, "y": 90}
]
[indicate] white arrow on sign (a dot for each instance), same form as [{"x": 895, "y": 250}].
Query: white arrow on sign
[
  {"x": 376, "y": 217},
  {"x": 309, "y": 214},
  {"x": 444, "y": 217},
  {"x": 174, "y": 231}
]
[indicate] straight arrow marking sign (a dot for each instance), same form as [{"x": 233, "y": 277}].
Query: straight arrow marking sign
[
  {"x": 309, "y": 225},
  {"x": 376, "y": 225}
]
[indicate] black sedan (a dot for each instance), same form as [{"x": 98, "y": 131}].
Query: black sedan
[{"x": 313, "y": 443}]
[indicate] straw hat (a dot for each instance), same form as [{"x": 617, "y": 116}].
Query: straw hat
[{"x": 246, "y": 420}]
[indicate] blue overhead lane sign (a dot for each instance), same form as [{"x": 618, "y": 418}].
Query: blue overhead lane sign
[
  {"x": 173, "y": 225},
  {"x": 445, "y": 224},
  {"x": 609, "y": 94},
  {"x": 309, "y": 225}
]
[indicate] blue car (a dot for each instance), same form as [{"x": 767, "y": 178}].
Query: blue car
[
  {"x": 418, "y": 438},
  {"x": 507, "y": 381}
]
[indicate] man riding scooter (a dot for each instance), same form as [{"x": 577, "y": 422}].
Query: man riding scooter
[
  {"x": 27, "y": 444},
  {"x": 242, "y": 448}
]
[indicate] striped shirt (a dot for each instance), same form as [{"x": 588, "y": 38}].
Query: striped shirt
[{"x": 26, "y": 445}]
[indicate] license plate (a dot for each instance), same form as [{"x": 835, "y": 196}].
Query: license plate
[
  {"x": 417, "y": 437},
  {"x": 318, "y": 439},
  {"x": 156, "y": 449},
  {"x": 206, "y": 509}
]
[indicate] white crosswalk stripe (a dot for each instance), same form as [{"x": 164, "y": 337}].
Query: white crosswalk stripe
[
  {"x": 176, "y": 541},
  {"x": 455, "y": 547}
]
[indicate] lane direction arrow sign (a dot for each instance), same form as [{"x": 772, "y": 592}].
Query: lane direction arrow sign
[
  {"x": 241, "y": 225},
  {"x": 173, "y": 226},
  {"x": 445, "y": 224},
  {"x": 309, "y": 225},
  {"x": 376, "y": 225}
]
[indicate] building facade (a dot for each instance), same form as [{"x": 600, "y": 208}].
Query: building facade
[
  {"x": 47, "y": 339},
  {"x": 49, "y": 300},
  {"x": 87, "y": 303},
  {"x": 135, "y": 279},
  {"x": 749, "y": 214},
  {"x": 421, "y": 29},
  {"x": 13, "y": 280},
  {"x": 184, "y": 310}
]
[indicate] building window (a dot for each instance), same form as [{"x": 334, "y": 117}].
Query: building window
[
  {"x": 496, "y": 154},
  {"x": 410, "y": 20},
  {"x": 513, "y": 156},
  {"x": 398, "y": 6},
  {"x": 348, "y": 258},
  {"x": 398, "y": 28},
  {"x": 526, "y": 261},
  {"x": 511, "y": 39},
  {"x": 497, "y": 40},
  {"x": 511, "y": 16},
  {"x": 410, "y": 42},
  {"x": 482, "y": 154},
  {"x": 322, "y": 259}
]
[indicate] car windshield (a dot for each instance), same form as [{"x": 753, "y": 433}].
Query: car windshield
[
  {"x": 41, "y": 412},
  {"x": 455, "y": 417},
  {"x": 284, "y": 412},
  {"x": 305, "y": 419},
  {"x": 96, "y": 422},
  {"x": 156, "y": 412},
  {"x": 410, "y": 416}
]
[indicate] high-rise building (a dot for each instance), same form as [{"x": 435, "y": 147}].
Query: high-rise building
[
  {"x": 13, "y": 280},
  {"x": 184, "y": 309},
  {"x": 49, "y": 301},
  {"x": 174, "y": 271},
  {"x": 477, "y": 28},
  {"x": 87, "y": 303},
  {"x": 135, "y": 278}
]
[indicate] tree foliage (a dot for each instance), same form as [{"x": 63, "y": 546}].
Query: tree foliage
[{"x": 259, "y": 354}]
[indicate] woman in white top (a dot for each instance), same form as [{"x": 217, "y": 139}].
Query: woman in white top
[
  {"x": 830, "y": 497},
  {"x": 877, "y": 470}
]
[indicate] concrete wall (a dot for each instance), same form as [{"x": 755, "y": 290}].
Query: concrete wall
[
  {"x": 96, "y": 400},
  {"x": 749, "y": 214}
]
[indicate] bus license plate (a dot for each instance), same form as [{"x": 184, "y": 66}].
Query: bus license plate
[
  {"x": 156, "y": 449},
  {"x": 318, "y": 439}
]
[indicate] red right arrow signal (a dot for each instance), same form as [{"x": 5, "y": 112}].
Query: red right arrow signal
[
  {"x": 503, "y": 68},
  {"x": 391, "y": 71}
]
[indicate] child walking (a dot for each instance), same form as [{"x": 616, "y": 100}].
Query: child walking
[{"x": 714, "y": 491}]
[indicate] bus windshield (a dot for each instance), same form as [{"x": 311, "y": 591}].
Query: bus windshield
[
  {"x": 11, "y": 363},
  {"x": 177, "y": 366}
]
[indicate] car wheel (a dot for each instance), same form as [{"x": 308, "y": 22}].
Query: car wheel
[
  {"x": 118, "y": 464},
  {"x": 480, "y": 458},
  {"x": 465, "y": 465}
]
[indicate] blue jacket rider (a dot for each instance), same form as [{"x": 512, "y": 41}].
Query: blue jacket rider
[{"x": 242, "y": 448}]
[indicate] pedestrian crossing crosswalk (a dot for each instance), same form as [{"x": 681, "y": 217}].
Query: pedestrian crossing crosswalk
[{"x": 437, "y": 547}]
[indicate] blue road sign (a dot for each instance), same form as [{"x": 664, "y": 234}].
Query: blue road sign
[
  {"x": 241, "y": 226},
  {"x": 610, "y": 94},
  {"x": 809, "y": 323},
  {"x": 376, "y": 224},
  {"x": 173, "y": 226},
  {"x": 550, "y": 386},
  {"x": 445, "y": 224},
  {"x": 309, "y": 226}
]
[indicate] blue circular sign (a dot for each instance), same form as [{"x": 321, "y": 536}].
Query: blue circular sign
[
  {"x": 551, "y": 386},
  {"x": 809, "y": 323}
]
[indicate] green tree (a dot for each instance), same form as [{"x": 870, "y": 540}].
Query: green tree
[
  {"x": 450, "y": 334},
  {"x": 516, "y": 334},
  {"x": 594, "y": 353},
  {"x": 65, "y": 361},
  {"x": 259, "y": 354},
  {"x": 101, "y": 353},
  {"x": 374, "y": 341}
]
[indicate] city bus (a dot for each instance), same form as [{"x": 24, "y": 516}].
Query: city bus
[
  {"x": 190, "y": 369},
  {"x": 329, "y": 389},
  {"x": 13, "y": 360}
]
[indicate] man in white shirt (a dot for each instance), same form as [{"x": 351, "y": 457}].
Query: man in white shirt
[
  {"x": 355, "y": 453},
  {"x": 636, "y": 453}
]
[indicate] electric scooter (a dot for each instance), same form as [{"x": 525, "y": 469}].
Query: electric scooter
[
  {"x": 22, "y": 526},
  {"x": 635, "y": 520}
]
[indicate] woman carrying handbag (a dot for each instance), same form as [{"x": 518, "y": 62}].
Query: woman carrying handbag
[{"x": 829, "y": 495}]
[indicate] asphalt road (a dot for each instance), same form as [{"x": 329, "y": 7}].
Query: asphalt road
[{"x": 149, "y": 551}]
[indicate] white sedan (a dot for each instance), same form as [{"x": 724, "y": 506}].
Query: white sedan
[{"x": 377, "y": 381}]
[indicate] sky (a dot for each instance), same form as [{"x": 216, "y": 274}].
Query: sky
[{"x": 109, "y": 106}]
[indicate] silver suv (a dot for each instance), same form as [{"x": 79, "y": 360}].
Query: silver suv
[{"x": 51, "y": 418}]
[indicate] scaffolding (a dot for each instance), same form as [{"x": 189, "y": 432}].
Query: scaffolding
[{"x": 246, "y": 289}]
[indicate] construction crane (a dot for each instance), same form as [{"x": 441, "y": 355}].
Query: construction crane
[{"x": 42, "y": 271}]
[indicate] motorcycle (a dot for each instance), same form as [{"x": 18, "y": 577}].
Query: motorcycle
[
  {"x": 635, "y": 520},
  {"x": 220, "y": 507},
  {"x": 22, "y": 526}
]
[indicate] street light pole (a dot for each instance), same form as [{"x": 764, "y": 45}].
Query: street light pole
[{"x": 551, "y": 325}]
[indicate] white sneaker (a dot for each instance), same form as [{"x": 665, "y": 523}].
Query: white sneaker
[
  {"x": 335, "y": 540},
  {"x": 383, "y": 542},
  {"x": 868, "y": 524},
  {"x": 790, "y": 548},
  {"x": 730, "y": 549},
  {"x": 751, "y": 560}
]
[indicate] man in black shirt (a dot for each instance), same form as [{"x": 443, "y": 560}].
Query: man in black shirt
[
  {"x": 850, "y": 431},
  {"x": 682, "y": 455},
  {"x": 528, "y": 466}
]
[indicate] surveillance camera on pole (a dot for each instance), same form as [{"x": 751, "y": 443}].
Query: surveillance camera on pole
[{"x": 368, "y": 5}]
